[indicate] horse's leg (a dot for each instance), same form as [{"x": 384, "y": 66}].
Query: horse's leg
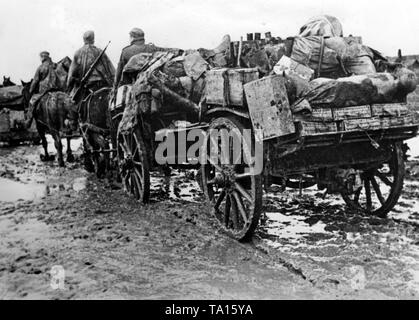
[
  {"x": 41, "y": 131},
  {"x": 59, "y": 146},
  {"x": 70, "y": 157}
]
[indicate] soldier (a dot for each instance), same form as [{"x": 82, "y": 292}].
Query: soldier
[
  {"x": 102, "y": 74},
  {"x": 44, "y": 81},
  {"x": 137, "y": 46}
]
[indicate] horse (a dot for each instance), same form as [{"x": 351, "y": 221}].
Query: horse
[
  {"x": 61, "y": 69},
  {"x": 7, "y": 82},
  {"x": 55, "y": 114},
  {"x": 94, "y": 121}
]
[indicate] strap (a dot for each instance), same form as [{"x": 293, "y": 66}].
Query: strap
[
  {"x": 226, "y": 88},
  {"x": 319, "y": 67}
]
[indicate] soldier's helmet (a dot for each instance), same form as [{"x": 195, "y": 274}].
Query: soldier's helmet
[
  {"x": 44, "y": 55},
  {"x": 137, "y": 33},
  {"x": 89, "y": 37}
]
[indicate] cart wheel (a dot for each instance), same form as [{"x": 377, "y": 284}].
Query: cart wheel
[
  {"x": 381, "y": 186},
  {"x": 133, "y": 165},
  {"x": 233, "y": 191}
]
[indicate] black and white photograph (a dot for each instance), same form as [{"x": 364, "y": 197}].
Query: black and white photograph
[{"x": 213, "y": 152}]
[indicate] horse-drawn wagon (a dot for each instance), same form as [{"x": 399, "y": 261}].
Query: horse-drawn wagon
[{"x": 356, "y": 151}]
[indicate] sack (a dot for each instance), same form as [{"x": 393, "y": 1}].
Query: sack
[
  {"x": 306, "y": 51},
  {"x": 137, "y": 62},
  {"x": 195, "y": 65},
  {"x": 175, "y": 67}
]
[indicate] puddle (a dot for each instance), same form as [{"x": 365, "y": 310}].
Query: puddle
[
  {"x": 291, "y": 226},
  {"x": 11, "y": 191},
  {"x": 75, "y": 144},
  {"x": 414, "y": 147},
  {"x": 180, "y": 186}
]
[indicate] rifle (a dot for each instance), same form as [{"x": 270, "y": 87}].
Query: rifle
[{"x": 75, "y": 97}]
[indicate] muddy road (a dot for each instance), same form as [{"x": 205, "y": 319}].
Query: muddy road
[{"x": 110, "y": 247}]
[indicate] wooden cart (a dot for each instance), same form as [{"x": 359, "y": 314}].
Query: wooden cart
[
  {"x": 12, "y": 128},
  {"x": 356, "y": 151}
]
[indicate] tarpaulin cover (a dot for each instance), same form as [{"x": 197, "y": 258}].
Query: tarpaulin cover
[
  {"x": 324, "y": 25},
  {"x": 8, "y": 94},
  {"x": 360, "y": 90},
  {"x": 11, "y": 97}
]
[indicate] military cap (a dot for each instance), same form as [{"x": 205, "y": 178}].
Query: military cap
[
  {"x": 137, "y": 33},
  {"x": 89, "y": 36},
  {"x": 44, "y": 54}
]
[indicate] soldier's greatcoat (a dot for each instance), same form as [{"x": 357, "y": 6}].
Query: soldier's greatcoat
[
  {"x": 83, "y": 58},
  {"x": 136, "y": 47},
  {"x": 45, "y": 78}
]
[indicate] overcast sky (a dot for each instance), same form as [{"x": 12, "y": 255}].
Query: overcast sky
[{"x": 30, "y": 26}]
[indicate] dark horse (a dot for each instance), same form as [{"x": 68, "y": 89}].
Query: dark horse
[
  {"x": 94, "y": 123},
  {"x": 55, "y": 114},
  {"x": 7, "y": 82}
]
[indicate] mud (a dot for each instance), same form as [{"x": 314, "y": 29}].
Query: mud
[{"x": 109, "y": 246}]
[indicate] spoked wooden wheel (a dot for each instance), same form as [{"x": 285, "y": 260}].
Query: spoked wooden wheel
[
  {"x": 233, "y": 191},
  {"x": 133, "y": 165},
  {"x": 381, "y": 186}
]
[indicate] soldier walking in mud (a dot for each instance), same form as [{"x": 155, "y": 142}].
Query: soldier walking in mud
[
  {"x": 44, "y": 81},
  {"x": 101, "y": 76}
]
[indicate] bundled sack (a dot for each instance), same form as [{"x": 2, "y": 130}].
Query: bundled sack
[
  {"x": 337, "y": 56},
  {"x": 361, "y": 89},
  {"x": 220, "y": 56}
]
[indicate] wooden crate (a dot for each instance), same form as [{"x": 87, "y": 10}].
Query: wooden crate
[
  {"x": 225, "y": 86},
  {"x": 389, "y": 110},
  {"x": 269, "y": 107},
  {"x": 357, "y": 112}
]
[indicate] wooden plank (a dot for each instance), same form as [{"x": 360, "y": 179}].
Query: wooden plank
[
  {"x": 269, "y": 107},
  {"x": 311, "y": 128},
  {"x": 317, "y": 115},
  {"x": 389, "y": 110},
  {"x": 356, "y": 112},
  {"x": 377, "y": 123},
  {"x": 362, "y": 124},
  {"x": 406, "y": 120}
]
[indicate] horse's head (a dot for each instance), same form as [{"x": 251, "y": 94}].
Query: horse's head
[
  {"x": 26, "y": 93},
  {"x": 65, "y": 63},
  {"x": 7, "y": 82}
]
